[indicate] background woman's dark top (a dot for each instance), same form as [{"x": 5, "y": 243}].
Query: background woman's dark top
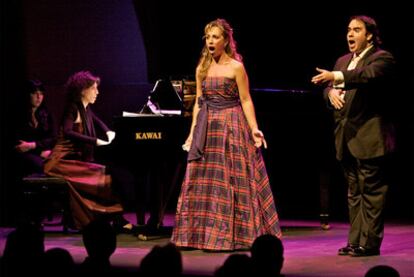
[{"x": 43, "y": 134}]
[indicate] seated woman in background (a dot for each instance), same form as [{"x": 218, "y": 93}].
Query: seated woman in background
[
  {"x": 90, "y": 186},
  {"x": 35, "y": 132}
]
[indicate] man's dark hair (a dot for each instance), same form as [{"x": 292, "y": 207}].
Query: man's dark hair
[{"x": 371, "y": 27}]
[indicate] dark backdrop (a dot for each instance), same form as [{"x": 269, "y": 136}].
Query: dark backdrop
[
  {"x": 282, "y": 42},
  {"x": 130, "y": 44}
]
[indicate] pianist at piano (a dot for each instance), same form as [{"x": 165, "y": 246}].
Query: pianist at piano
[{"x": 91, "y": 188}]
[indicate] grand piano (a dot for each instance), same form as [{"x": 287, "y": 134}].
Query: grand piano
[
  {"x": 149, "y": 144},
  {"x": 150, "y": 148}
]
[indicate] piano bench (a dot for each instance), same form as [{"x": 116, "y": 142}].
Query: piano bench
[{"x": 45, "y": 196}]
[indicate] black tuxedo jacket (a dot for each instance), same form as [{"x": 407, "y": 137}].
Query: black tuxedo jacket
[{"x": 363, "y": 124}]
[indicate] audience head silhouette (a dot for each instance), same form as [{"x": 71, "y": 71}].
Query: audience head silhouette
[
  {"x": 235, "y": 265},
  {"x": 162, "y": 261},
  {"x": 267, "y": 255},
  {"x": 58, "y": 262},
  {"x": 99, "y": 239},
  {"x": 23, "y": 250},
  {"x": 382, "y": 271}
]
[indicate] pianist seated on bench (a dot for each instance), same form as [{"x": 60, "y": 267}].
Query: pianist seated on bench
[{"x": 92, "y": 191}]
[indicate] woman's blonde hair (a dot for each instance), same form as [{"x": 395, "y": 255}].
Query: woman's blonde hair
[{"x": 230, "y": 48}]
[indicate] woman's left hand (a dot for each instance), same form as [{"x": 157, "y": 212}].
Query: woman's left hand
[{"x": 258, "y": 138}]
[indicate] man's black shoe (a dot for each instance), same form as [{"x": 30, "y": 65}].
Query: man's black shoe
[
  {"x": 347, "y": 250},
  {"x": 364, "y": 252}
]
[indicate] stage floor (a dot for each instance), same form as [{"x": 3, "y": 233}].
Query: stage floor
[{"x": 309, "y": 250}]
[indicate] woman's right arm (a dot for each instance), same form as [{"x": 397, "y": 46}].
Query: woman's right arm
[
  {"x": 196, "y": 109},
  {"x": 69, "y": 119}
]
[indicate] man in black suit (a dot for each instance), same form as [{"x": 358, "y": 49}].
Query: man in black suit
[{"x": 359, "y": 91}]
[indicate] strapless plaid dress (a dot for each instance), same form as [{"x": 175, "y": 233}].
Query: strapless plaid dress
[{"x": 226, "y": 200}]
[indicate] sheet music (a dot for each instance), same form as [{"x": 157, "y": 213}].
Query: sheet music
[
  {"x": 132, "y": 114},
  {"x": 156, "y": 110}
]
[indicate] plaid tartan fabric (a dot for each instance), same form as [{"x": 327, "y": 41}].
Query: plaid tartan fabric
[{"x": 226, "y": 200}]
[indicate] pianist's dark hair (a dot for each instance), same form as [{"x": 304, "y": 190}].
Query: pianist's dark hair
[{"x": 79, "y": 81}]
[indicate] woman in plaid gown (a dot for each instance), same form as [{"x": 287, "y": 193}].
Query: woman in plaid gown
[{"x": 226, "y": 200}]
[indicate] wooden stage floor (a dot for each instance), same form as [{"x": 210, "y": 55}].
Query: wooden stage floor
[{"x": 309, "y": 250}]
